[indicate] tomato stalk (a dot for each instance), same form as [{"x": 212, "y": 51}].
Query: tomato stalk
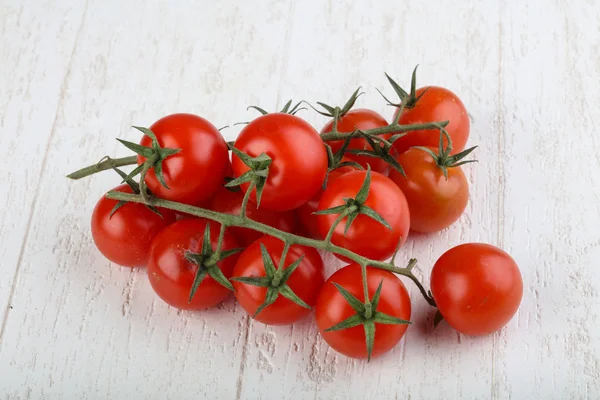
[
  {"x": 103, "y": 165},
  {"x": 291, "y": 239},
  {"x": 394, "y": 127}
]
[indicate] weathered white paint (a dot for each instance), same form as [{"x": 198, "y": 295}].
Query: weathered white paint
[{"x": 77, "y": 74}]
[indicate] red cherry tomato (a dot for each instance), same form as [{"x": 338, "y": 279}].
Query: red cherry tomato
[
  {"x": 437, "y": 104},
  {"x": 171, "y": 274},
  {"x": 299, "y": 159},
  {"x": 230, "y": 202},
  {"x": 434, "y": 201},
  {"x": 477, "y": 288},
  {"x": 305, "y": 281},
  {"x": 332, "y": 308},
  {"x": 366, "y": 236},
  {"x": 362, "y": 119},
  {"x": 305, "y": 218},
  {"x": 196, "y": 172},
  {"x": 125, "y": 238}
]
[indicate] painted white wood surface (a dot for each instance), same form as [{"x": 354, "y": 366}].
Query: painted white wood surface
[{"x": 74, "y": 75}]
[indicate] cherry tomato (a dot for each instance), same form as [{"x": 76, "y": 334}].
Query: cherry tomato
[
  {"x": 437, "y": 104},
  {"x": 434, "y": 202},
  {"x": 125, "y": 238},
  {"x": 332, "y": 308},
  {"x": 196, "y": 172},
  {"x": 362, "y": 119},
  {"x": 305, "y": 218},
  {"x": 230, "y": 202},
  {"x": 171, "y": 274},
  {"x": 299, "y": 159},
  {"x": 305, "y": 281},
  {"x": 477, "y": 288},
  {"x": 366, "y": 236}
]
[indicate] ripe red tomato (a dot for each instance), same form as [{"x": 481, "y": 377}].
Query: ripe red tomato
[
  {"x": 305, "y": 281},
  {"x": 332, "y": 308},
  {"x": 437, "y": 104},
  {"x": 366, "y": 236},
  {"x": 362, "y": 119},
  {"x": 477, "y": 288},
  {"x": 305, "y": 218},
  {"x": 299, "y": 159},
  {"x": 434, "y": 202},
  {"x": 196, "y": 172},
  {"x": 230, "y": 202},
  {"x": 125, "y": 238},
  {"x": 171, "y": 274}
]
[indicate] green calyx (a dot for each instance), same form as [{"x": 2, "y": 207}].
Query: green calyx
[
  {"x": 352, "y": 207},
  {"x": 380, "y": 148},
  {"x": 334, "y": 160},
  {"x": 338, "y": 112},
  {"x": 256, "y": 175},
  {"x": 287, "y": 109},
  {"x": 135, "y": 188},
  {"x": 443, "y": 159},
  {"x": 207, "y": 262},
  {"x": 155, "y": 155},
  {"x": 407, "y": 100},
  {"x": 275, "y": 280},
  {"x": 366, "y": 315}
]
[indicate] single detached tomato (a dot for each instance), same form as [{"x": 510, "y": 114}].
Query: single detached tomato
[
  {"x": 366, "y": 236},
  {"x": 332, "y": 308},
  {"x": 306, "y": 281},
  {"x": 125, "y": 237},
  {"x": 434, "y": 201},
  {"x": 306, "y": 220},
  {"x": 477, "y": 288},
  {"x": 230, "y": 202},
  {"x": 362, "y": 119},
  {"x": 437, "y": 104},
  {"x": 196, "y": 172},
  {"x": 299, "y": 159},
  {"x": 171, "y": 274}
]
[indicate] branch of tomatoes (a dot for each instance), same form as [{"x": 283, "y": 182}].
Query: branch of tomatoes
[{"x": 243, "y": 222}]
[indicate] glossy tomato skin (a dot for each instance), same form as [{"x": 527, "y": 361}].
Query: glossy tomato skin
[
  {"x": 230, "y": 202},
  {"x": 362, "y": 119},
  {"x": 196, "y": 172},
  {"x": 332, "y": 309},
  {"x": 306, "y": 281},
  {"x": 437, "y": 104},
  {"x": 306, "y": 220},
  {"x": 434, "y": 202},
  {"x": 366, "y": 236},
  {"x": 171, "y": 275},
  {"x": 125, "y": 238},
  {"x": 299, "y": 159},
  {"x": 477, "y": 288}
]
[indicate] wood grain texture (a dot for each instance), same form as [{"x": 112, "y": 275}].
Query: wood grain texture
[{"x": 77, "y": 74}]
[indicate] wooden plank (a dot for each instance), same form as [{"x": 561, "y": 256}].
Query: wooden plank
[
  {"x": 80, "y": 326},
  {"x": 36, "y": 45},
  {"x": 549, "y": 165}
]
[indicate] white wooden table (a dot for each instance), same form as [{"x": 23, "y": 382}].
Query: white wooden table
[{"x": 76, "y": 74}]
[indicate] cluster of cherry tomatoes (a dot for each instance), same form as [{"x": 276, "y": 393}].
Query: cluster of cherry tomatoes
[{"x": 362, "y": 192}]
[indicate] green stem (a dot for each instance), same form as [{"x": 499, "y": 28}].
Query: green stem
[
  {"x": 392, "y": 128},
  {"x": 284, "y": 252},
  {"x": 103, "y": 166},
  {"x": 398, "y": 114},
  {"x": 246, "y": 198},
  {"x": 368, "y": 309},
  {"x": 337, "y": 221},
  {"x": 243, "y": 222},
  {"x": 147, "y": 165}
]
